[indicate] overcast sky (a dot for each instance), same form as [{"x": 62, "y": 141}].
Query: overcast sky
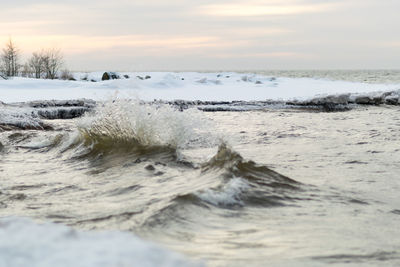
[{"x": 208, "y": 35}]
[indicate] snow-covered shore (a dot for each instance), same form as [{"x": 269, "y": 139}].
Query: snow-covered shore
[{"x": 186, "y": 86}]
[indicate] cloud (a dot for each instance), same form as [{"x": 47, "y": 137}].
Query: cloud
[
  {"x": 142, "y": 43},
  {"x": 263, "y": 55},
  {"x": 260, "y": 9}
]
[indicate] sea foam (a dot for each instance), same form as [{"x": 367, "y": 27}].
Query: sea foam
[{"x": 227, "y": 195}]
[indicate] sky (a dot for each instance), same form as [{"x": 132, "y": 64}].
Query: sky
[{"x": 128, "y": 35}]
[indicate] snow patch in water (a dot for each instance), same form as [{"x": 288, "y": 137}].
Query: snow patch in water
[{"x": 25, "y": 243}]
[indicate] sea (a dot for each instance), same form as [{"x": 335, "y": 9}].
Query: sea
[{"x": 270, "y": 187}]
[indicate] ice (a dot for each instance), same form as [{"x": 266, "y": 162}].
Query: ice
[
  {"x": 25, "y": 243},
  {"x": 22, "y": 118},
  {"x": 29, "y": 115}
]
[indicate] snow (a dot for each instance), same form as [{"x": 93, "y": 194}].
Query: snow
[
  {"x": 25, "y": 243},
  {"x": 185, "y": 85}
]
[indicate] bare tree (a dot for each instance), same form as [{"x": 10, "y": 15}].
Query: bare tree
[
  {"x": 36, "y": 64},
  {"x": 53, "y": 61},
  {"x": 46, "y": 63},
  {"x": 10, "y": 59},
  {"x": 26, "y": 71}
]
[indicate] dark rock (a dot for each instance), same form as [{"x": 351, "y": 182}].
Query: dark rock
[
  {"x": 62, "y": 113},
  {"x": 368, "y": 100},
  {"x": 362, "y": 100},
  {"x": 62, "y": 103},
  {"x": 126, "y": 76},
  {"x": 140, "y": 77},
  {"x": 258, "y": 82},
  {"x": 147, "y": 77},
  {"x": 328, "y": 103},
  {"x": 342, "y": 99},
  {"x": 377, "y": 100},
  {"x": 215, "y": 109},
  {"x": 109, "y": 76},
  {"x": 392, "y": 100}
]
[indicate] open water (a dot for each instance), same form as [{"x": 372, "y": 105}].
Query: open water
[
  {"x": 363, "y": 76},
  {"x": 272, "y": 187}
]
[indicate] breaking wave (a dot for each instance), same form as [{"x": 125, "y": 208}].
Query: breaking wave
[
  {"x": 227, "y": 182},
  {"x": 243, "y": 182},
  {"x": 119, "y": 131},
  {"x": 129, "y": 126}
]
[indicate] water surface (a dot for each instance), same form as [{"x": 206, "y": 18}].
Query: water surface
[{"x": 276, "y": 187}]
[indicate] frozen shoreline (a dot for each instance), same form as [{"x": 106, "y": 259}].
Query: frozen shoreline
[{"x": 25, "y": 102}]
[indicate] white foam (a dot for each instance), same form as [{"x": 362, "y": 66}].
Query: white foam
[
  {"x": 24, "y": 243},
  {"x": 228, "y": 195}
]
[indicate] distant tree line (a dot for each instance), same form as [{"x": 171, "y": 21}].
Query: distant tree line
[{"x": 43, "y": 64}]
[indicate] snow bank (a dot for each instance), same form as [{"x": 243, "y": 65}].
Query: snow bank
[
  {"x": 186, "y": 85},
  {"x": 24, "y": 243}
]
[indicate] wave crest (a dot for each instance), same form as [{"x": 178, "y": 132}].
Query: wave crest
[
  {"x": 130, "y": 126},
  {"x": 234, "y": 165},
  {"x": 242, "y": 183}
]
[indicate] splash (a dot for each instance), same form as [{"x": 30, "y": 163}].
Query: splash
[{"x": 130, "y": 125}]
